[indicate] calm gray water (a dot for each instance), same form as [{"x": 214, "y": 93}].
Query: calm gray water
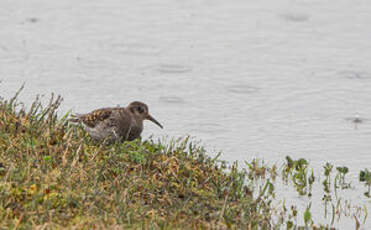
[{"x": 259, "y": 79}]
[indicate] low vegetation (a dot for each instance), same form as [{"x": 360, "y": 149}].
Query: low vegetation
[{"x": 52, "y": 175}]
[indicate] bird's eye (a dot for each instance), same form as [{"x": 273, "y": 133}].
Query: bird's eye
[{"x": 140, "y": 109}]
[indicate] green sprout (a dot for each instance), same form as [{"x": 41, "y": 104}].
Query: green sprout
[{"x": 365, "y": 176}]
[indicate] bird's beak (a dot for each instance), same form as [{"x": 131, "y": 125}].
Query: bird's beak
[{"x": 149, "y": 117}]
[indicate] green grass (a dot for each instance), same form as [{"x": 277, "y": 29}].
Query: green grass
[{"x": 52, "y": 175}]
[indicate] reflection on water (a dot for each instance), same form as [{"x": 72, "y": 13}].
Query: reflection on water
[
  {"x": 356, "y": 120},
  {"x": 242, "y": 89},
  {"x": 172, "y": 100},
  {"x": 171, "y": 68},
  {"x": 208, "y": 128},
  {"x": 134, "y": 49},
  {"x": 32, "y": 20},
  {"x": 296, "y": 16},
  {"x": 354, "y": 75}
]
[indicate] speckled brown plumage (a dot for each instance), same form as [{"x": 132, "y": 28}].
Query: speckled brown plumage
[
  {"x": 116, "y": 123},
  {"x": 95, "y": 117}
]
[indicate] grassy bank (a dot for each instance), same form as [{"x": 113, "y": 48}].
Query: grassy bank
[{"x": 52, "y": 175}]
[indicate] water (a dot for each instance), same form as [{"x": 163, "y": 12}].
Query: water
[{"x": 259, "y": 79}]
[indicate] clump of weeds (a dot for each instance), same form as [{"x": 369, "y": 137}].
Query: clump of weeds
[
  {"x": 365, "y": 177},
  {"x": 297, "y": 172}
]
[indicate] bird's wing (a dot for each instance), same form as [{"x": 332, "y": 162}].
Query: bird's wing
[
  {"x": 95, "y": 117},
  {"x": 118, "y": 123}
]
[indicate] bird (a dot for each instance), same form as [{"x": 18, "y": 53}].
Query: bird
[{"x": 115, "y": 123}]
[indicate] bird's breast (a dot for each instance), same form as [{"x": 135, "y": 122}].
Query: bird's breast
[{"x": 136, "y": 130}]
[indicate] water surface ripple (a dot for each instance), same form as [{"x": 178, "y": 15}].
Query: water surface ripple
[{"x": 259, "y": 79}]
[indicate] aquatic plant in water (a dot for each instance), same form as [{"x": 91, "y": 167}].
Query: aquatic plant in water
[{"x": 365, "y": 177}]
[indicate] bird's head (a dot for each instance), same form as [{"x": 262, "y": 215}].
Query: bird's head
[{"x": 140, "y": 111}]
